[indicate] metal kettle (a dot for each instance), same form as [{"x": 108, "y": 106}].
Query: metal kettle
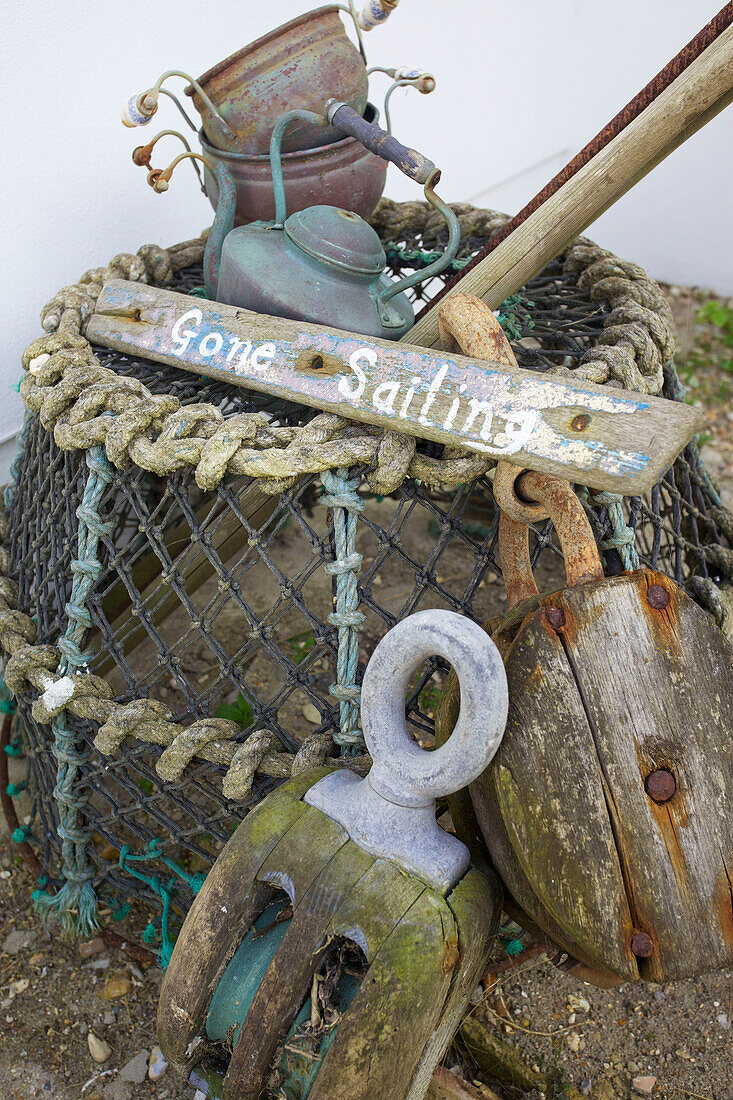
[{"x": 323, "y": 264}]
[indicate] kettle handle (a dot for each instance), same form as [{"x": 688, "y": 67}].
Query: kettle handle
[
  {"x": 412, "y": 164},
  {"x": 382, "y": 143}
]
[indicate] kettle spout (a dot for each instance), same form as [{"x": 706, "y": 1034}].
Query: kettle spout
[{"x": 223, "y": 225}]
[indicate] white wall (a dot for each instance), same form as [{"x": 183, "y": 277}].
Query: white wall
[{"x": 521, "y": 87}]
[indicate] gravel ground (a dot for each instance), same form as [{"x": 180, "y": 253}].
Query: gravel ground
[{"x": 597, "y": 1041}]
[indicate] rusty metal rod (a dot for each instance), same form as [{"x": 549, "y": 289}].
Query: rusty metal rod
[{"x": 639, "y": 103}]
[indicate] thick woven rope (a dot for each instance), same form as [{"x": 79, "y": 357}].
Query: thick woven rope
[{"x": 147, "y": 584}]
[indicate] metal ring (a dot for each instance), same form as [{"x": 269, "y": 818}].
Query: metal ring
[
  {"x": 505, "y": 495},
  {"x": 402, "y": 772}
]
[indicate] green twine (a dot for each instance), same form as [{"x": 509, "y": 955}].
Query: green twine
[
  {"x": 13, "y": 748},
  {"x": 120, "y": 909},
  {"x": 7, "y": 706},
  {"x": 513, "y": 947},
  {"x": 75, "y": 904},
  {"x": 163, "y": 890},
  {"x": 14, "y": 789},
  {"x": 342, "y": 497},
  {"x": 622, "y": 538},
  {"x": 20, "y": 835}
]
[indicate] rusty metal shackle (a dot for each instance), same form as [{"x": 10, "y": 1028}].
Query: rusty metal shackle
[{"x": 557, "y": 497}]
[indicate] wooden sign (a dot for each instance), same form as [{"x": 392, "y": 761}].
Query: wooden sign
[{"x": 593, "y": 435}]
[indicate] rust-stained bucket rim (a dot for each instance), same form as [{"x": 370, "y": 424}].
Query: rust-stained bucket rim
[{"x": 265, "y": 40}]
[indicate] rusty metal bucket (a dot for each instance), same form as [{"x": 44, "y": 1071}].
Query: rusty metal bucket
[
  {"x": 342, "y": 174},
  {"x": 303, "y": 63}
]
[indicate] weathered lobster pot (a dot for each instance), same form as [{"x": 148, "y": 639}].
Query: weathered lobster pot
[
  {"x": 608, "y": 809},
  {"x": 333, "y": 948}
]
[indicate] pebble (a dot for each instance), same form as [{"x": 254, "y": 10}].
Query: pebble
[
  {"x": 578, "y": 1004},
  {"x": 91, "y": 947},
  {"x": 118, "y": 1090},
  {"x": 18, "y": 939},
  {"x": 116, "y": 986},
  {"x": 311, "y": 714},
  {"x": 98, "y": 1048},
  {"x": 573, "y": 1041},
  {"x": 136, "y": 1069},
  {"x": 723, "y": 1020},
  {"x": 644, "y": 1085},
  {"x": 585, "y": 1086},
  {"x": 157, "y": 1064},
  {"x": 110, "y": 1018},
  {"x": 97, "y": 964}
]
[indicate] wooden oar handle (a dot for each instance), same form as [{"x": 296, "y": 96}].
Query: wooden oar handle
[{"x": 382, "y": 144}]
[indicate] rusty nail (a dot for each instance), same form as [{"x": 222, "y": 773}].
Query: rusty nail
[
  {"x": 657, "y": 597},
  {"x": 642, "y": 945},
  {"x": 580, "y": 423},
  {"x": 660, "y": 785},
  {"x": 555, "y": 617}
]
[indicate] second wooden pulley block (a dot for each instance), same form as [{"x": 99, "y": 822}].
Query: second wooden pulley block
[{"x": 608, "y": 808}]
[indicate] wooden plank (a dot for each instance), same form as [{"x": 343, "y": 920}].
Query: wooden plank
[
  {"x": 594, "y": 435},
  {"x": 222, "y": 911},
  {"x": 696, "y": 96},
  {"x": 396, "y": 1008},
  {"x": 661, "y": 697},
  {"x": 541, "y": 805}
]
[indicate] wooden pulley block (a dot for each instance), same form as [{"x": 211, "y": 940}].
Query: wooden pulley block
[
  {"x": 608, "y": 808},
  {"x": 334, "y": 945}
]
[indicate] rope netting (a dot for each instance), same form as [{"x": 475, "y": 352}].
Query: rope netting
[{"x": 218, "y": 624}]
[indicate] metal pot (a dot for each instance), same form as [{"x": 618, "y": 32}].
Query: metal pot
[
  {"x": 304, "y": 62},
  {"x": 342, "y": 174}
]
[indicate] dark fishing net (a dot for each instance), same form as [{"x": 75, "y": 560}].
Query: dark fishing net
[{"x": 220, "y": 599}]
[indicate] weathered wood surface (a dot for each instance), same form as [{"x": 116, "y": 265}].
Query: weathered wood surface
[
  {"x": 447, "y": 1086},
  {"x": 227, "y": 904},
  {"x": 498, "y": 1058},
  {"x": 696, "y": 96},
  {"x": 395, "y": 1009},
  {"x": 622, "y": 442},
  {"x": 476, "y": 905},
  {"x": 319, "y": 866},
  {"x": 183, "y": 558},
  {"x": 621, "y": 690}
]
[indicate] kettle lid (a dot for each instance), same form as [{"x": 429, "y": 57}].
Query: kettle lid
[{"x": 337, "y": 237}]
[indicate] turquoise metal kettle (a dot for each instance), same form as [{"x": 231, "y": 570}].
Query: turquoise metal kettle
[{"x": 323, "y": 264}]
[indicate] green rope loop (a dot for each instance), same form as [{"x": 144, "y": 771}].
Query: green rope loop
[
  {"x": 75, "y": 904},
  {"x": 342, "y": 498}
]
